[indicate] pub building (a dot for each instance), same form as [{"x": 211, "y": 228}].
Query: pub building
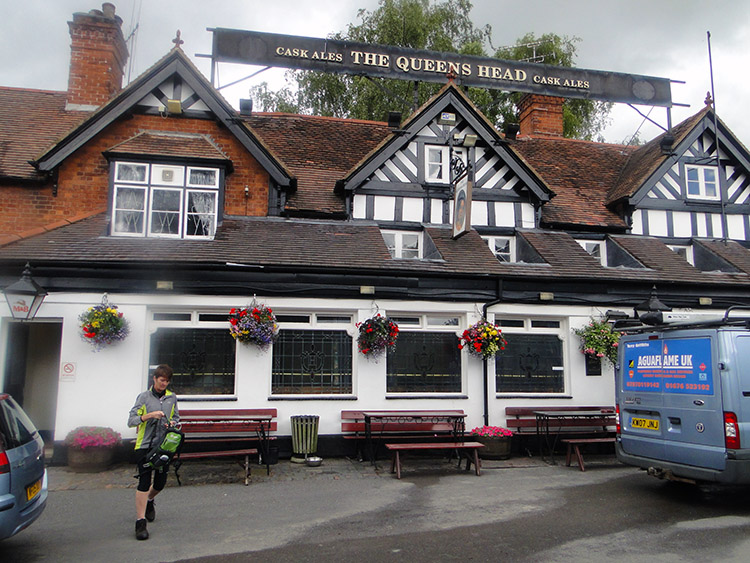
[{"x": 162, "y": 199}]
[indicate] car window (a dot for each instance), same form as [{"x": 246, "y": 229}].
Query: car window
[{"x": 15, "y": 426}]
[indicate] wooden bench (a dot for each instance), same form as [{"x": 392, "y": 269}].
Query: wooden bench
[
  {"x": 574, "y": 444},
  {"x": 353, "y": 427},
  {"x": 469, "y": 449},
  {"x": 226, "y": 427}
]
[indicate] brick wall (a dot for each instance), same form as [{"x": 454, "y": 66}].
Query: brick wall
[
  {"x": 83, "y": 178},
  {"x": 541, "y": 116},
  {"x": 98, "y": 54}
]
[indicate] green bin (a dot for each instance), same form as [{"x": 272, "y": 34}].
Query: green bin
[{"x": 304, "y": 436}]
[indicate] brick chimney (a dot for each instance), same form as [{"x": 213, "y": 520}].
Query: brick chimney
[
  {"x": 541, "y": 116},
  {"x": 98, "y": 54}
]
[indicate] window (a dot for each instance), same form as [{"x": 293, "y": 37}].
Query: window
[
  {"x": 532, "y": 361},
  {"x": 504, "y": 248},
  {"x": 157, "y": 200},
  {"x": 437, "y": 162},
  {"x": 685, "y": 251},
  {"x": 403, "y": 244},
  {"x": 426, "y": 358},
  {"x": 596, "y": 249},
  {"x": 199, "y": 349},
  {"x": 312, "y": 355},
  {"x": 702, "y": 182}
]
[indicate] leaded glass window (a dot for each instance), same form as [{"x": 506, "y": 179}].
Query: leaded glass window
[
  {"x": 203, "y": 359},
  {"x": 312, "y": 362},
  {"x": 530, "y": 363},
  {"x": 424, "y": 362}
]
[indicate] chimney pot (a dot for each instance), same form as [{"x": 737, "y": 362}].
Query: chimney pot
[{"x": 108, "y": 10}]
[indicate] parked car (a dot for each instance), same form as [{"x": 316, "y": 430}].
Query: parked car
[{"x": 23, "y": 477}]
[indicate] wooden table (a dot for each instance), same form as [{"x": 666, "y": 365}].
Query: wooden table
[
  {"x": 380, "y": 423},
  {"x": 567, "y": 419}
]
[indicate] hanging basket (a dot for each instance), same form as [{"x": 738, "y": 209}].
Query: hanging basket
[
  {"x": 599, "y": 340},
  {"x": 103, "y": 324},
  {"x": 376, "y": 335},
  {"x": 254, "y": 324},
  {"x": 483, "y": 339}
]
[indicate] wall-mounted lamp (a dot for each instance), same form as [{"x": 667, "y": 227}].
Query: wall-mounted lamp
[
  {"x": 469, "y": 140},
  {"x": 705, "y": 301},
  {"x": 546, "y": 296},
  {"x": 174, "y": 107},
  {"x": 25, "y": 296}
]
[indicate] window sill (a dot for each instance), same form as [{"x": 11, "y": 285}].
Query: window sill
[
  {"x": 399, "y": 396},
  {"x": 312, "y": 397},
  {"x": 531, "y": 396},
  {"x": 206, "y": 398}
]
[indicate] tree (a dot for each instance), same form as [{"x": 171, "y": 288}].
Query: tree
[{"x": 436, "y": 26}]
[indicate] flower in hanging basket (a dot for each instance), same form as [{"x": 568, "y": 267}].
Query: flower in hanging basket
[
  {"x": 255, "y": 324},
  {"x": 376, "y": 334},
  {"x": 491, "y": 432},
  {"x": 103, "y": 324},
  {"x": 483, "y": 339},
  {"x": 85, "y": 437},
  {"x": 599, "y": 340}
]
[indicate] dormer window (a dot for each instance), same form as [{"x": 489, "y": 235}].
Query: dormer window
[
  {"x": 503, "y": 248},
  {"x": 702, "y": 182},
  {"x": 165, "y": 200},
  {"x": 596, "y": 249},
  {"x": 685, "y": 251},
  {"x": 403, "y": 244}
]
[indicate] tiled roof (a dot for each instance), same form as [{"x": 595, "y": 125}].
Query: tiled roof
[
  {"x": 646, "y": 159},
  {"x": 581, "y": 174},
  {"x": 359, "y": 247},
  {"x": 318, "y": 151},
  {"x": 31, "y": 121},
  {"x": 170, "y": 144}
]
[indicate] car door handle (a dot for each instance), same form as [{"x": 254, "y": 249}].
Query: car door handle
[{"x": 699, "y": 402}]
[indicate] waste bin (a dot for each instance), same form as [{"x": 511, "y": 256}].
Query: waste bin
[{"x": 304, "y": 436}]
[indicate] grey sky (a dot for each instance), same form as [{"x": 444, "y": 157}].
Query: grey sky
[{"x": 664, "y": 38}]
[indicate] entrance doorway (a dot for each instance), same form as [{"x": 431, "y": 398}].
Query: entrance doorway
[{"x": 30, "y": 375}]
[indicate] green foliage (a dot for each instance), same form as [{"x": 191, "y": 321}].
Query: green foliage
[
  {"x": 436, "y": 26},
  {"x": 599, "y": 340}
]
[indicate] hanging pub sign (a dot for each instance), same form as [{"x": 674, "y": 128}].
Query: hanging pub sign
[{"x": 346, "y": 57}]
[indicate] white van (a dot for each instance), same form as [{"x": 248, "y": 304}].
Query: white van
[{"x": 683, "y": 398}]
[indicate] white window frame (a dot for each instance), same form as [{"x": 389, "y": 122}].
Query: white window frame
[
  {"x": 510, "y": 256},
  {"x": 179, "y": 213},
  {"x": 702, "y": 182},
  {"x": 143, "y": 211},
  {"x": 398, "y": 250},
  {"x": 436, "y": 171},
  {"x": 123, "y": 164},
  {"x": 153, "y": 181},
  {"x": 528, "y": 327},
  {"x": 683, "y": 250},
  {"x": 190, "y": 169},
  {"x": 592, "y": 247}
]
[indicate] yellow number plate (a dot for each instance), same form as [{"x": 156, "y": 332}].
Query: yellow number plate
[
  {"x": 33, "y": 489},
  {"x": 645, "y": 423}
]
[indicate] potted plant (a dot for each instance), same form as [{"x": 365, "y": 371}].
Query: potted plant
[
  {"x": 599, "y": 340},
  {"x": 496, "y": 440},
  {"x": 103, "y": 324},
  {"x": 483, "y": 339},
  {"x": 91, "y": 448},
  {"x": 376, "y": 334},
  {"x": 254, "y": 324}
]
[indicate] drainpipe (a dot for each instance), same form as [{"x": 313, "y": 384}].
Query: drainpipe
[{"x": 485, "y": 375}]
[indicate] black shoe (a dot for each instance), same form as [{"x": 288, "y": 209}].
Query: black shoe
[
  {"x": 141, "y": 533},
  {"x": 150, "y": 511}
]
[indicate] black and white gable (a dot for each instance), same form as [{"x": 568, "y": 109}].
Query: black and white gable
[
  {"x": 702, "y": 187},
  {"x": 410, "y": 176}
]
